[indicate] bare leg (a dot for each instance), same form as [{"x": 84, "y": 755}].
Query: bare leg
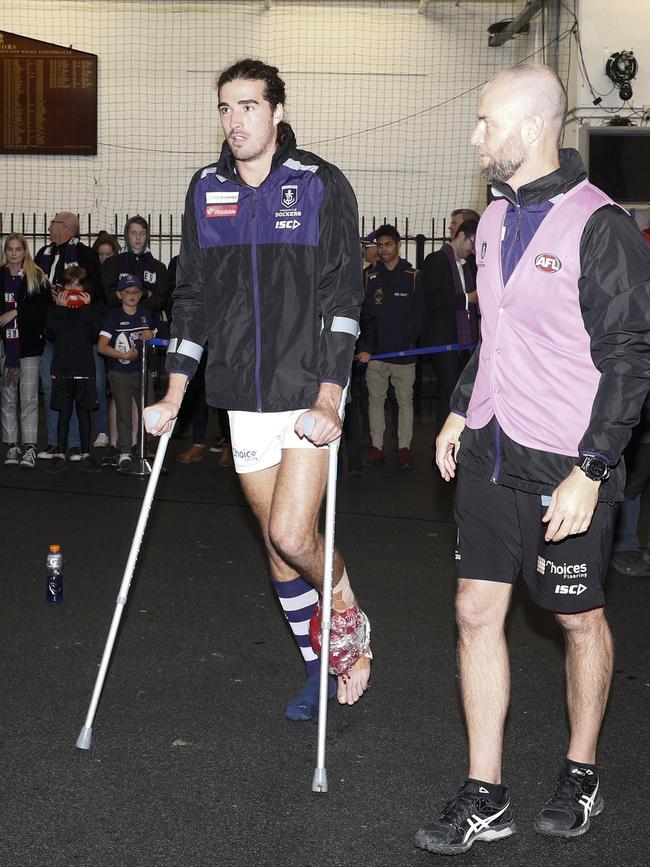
[
  {"x": 481, "y": 608},
  {"x": 589, "y": 663},
  {"x": 286, "y": 500}
]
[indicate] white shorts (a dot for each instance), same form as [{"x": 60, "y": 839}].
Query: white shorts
[{"x": 259, "y": 437}]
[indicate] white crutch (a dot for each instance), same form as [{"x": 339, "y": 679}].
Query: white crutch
[
  {"x": 84, "y": 740},
  {"x": 319, "y": 783}
]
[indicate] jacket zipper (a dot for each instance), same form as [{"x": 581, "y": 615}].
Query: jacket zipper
[
  {"x": 256, "y": 306},
  {"x": 497, "y": 458}
]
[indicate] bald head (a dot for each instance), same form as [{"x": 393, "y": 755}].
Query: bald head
[
  {"x": 535, "y": 89},
  {"x": 520, "y": 120},
  {"x": 63, "y": 227},
  {"x": 71, "y": 221}
]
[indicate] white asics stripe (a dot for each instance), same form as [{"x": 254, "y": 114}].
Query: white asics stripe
[
  {"x": 587, "y": 803},
  {"x": 482, "y": 824}
]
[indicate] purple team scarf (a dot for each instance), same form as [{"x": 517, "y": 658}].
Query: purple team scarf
[
  {"x": 466, "y": 321},
  {"x": 11, "y": 338},
  {"x": 126, "y": 261},
  {"x": 70, "y": 255}
]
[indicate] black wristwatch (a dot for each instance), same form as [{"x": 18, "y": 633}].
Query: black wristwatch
[{"x": 594, "y": 468}]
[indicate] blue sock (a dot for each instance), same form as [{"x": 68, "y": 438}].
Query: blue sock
[
  {"x": 298, "y": 600},
  {"x": 305, "y": 705}
]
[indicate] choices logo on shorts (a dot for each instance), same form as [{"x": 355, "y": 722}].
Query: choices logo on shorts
[
  {"x": 245, "y": 456},
  {"x": 565, "y": 570}
]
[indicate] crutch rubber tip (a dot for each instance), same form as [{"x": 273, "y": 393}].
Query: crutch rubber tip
[
  {"x": 319, "y": 783},
  {"x": 85, "y": 738}
]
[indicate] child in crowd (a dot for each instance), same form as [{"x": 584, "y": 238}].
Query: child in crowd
[
  {"x": 120, "y": 340},
  {"x": 73, "y": 326}
]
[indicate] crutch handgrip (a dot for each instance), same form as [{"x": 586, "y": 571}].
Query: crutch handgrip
[
  {"x": 152, "y": 417},
  {"x": 308, "y": 425}
]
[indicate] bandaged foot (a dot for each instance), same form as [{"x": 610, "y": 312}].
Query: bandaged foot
[{"x": 349, "y": 651}]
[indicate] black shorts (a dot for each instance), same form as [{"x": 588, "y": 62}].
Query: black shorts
[
  {"x": 501, "y": 534},
  {"x": 67, "y": 391}
]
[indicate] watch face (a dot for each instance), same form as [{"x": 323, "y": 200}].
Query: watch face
[{"x": 595, "y": 469}]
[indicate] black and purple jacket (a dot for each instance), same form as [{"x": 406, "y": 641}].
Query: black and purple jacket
[{"x": 270, "y": 279}]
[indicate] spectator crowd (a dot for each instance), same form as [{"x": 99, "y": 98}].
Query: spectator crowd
[{"x": 75, "y": 318}]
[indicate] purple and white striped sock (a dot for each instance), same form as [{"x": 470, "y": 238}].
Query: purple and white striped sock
[{"x": 298, "y": 600}]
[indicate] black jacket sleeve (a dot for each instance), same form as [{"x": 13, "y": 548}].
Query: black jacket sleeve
[
  {"x": 110, "y": 275},
  {"x": 462, "y": 393},
  {"x": 367, "y": 341},
  {"x": 160, "y": 298},
  {"x": 614, "y": 291},
  {"x": 89, "y": 260},
  {"x": 32, "y": 311},
  {"x": 438, "y": 286},
  {"x": 189, "y": 321},
  {"x": 340, "y": 290}
]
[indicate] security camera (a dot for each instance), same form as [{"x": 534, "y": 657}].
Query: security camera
[{"x": 621, "y": 68}]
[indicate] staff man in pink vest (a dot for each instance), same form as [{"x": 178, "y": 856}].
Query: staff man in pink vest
[{"x": 539, "y": 419}]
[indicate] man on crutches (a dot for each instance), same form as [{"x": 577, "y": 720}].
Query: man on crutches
[{"x": 269, "y": 277}]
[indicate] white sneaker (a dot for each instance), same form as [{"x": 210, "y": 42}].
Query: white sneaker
[
  {"x": 124, "y": 461},
  {"x": 47, "y": 454},
  {"x": 29, "y": 458},
  {"x": 13, "y": 456},
  {"x": 101, "y": 442}
]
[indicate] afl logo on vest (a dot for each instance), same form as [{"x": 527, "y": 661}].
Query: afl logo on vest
[{"x": 548, "y": 263}]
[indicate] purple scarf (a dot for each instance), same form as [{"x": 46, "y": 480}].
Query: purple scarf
[
  {"x": 466, "y": 321},
  {"x": 46, "y": 258},
  {"x": 11, "y": 339},
  {"x": 127, "y": 261}
]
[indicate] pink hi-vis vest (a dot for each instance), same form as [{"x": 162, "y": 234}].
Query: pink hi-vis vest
[{"x": 535, "y": 370}]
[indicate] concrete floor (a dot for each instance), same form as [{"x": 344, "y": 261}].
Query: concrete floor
[{"x": 193, "y": 762}]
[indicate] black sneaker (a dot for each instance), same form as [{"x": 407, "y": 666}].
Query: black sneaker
[
  {"x": 469, "y": 816},
  {"x": 89, "y": 465},
  {"x": 576, "y": 798},
  {"x": 110, "y": 458},
  {"x": 57, "y": 465}
]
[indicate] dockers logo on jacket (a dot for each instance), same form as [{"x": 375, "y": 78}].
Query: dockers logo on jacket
[
  {"x": 289, "y": 195},
  {"x": 548, "y": 263}
]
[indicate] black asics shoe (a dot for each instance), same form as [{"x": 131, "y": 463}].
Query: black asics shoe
[
  {"x": 469, "y": 816},
  {"x": 575, "y": 800}
]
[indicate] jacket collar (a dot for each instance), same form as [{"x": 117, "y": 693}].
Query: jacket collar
[
  {"x": 548, "y": 187},
  {"x": 402, "y": 265}
]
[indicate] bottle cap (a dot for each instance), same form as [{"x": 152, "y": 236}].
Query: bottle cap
[{"x": 54, "y": 549}]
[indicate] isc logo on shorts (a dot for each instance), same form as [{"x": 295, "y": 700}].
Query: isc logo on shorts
[{"x": 572, "y": 589}]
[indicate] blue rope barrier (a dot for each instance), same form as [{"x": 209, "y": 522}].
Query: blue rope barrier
[{"x": 426, "y": 350}]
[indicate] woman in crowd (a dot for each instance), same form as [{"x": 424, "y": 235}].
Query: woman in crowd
[
  {"x": 105, "y": 246},
  {"x": 24, "y": 304}
]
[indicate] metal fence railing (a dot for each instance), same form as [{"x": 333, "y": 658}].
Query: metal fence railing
[{"x": 165, "y": 232}]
